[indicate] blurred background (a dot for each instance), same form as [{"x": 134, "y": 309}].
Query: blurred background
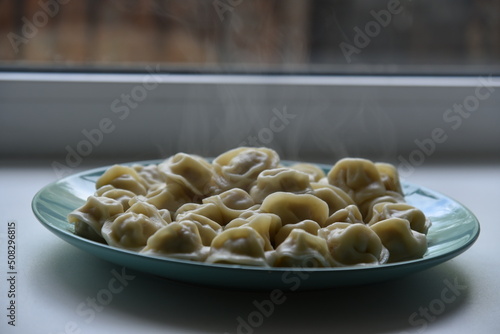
[
  {"x": 356, "y": 77},
  {"x": 448, "y": 36}
]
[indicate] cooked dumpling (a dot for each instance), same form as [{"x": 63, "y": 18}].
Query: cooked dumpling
[
  {"x": 359, "y": 178},
  {"x": 231, "y": 203},
  {"x": 366, "y": 208},
  {"x": 209, "y": 210},
  {"x": 294, "y": 208},
  {"x": 179, "y": 240},
  {"x": 206, "y": 216},
  {"x": 105, "y": 188},
  {"x": 301, "y": 249},
  {"x": 246, "y": 208},
  {"x": 204, "y": 220},
  {"x": 132, "y": 229},
  {"x": 150, "y": 175},
  {"x": 170, "y": 197},
  {"x": 350, "y": 214},
  {"x": 418, "y": 221},
  {"x": 307, "y": 225},
  {"x": 402, "y": 242},
  {"x": 334, "y": 197},
  {"x": 314, "y": 172},
  {"x": 122, "y": 177},
  {"x": 192, "y": 172},
  {"x": 389, "y": 176},
  {"x": 323, "y": 180},
  {"x": 253, "y": 210},
  {"x": 240, "y": 245},
  {"x": 149, "y": 210},
  {"x": 266, "y": 224},
  {"x": 207, "y": 228},
  {"x": 89, "y": 218},
  {"x": 121, "y": 195},
  {"x": 280, "y": 179},
  {"x": 352, "y": 244},
  {"x": 241, "y": 166}
]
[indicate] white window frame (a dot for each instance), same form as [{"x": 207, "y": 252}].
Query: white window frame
[{"x": 41, "y": 114}]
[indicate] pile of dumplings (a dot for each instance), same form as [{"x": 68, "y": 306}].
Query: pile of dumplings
[{"x": 246, "y": 208}]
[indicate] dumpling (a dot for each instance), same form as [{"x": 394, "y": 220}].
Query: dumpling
[
  {"x": 366, "y": 208},
  {"x": 246, "y": 208},
  {"x": 139, "y": 206},
  {"x": 402, "y": 242},
  {"x": 314, "y": 172},
  {"x": 416, "y": 218},
  {"x": 279, "y": 179},
  {"x": 266, "y": 224},
  {"x": 170, "y": 197},
  {"x": 334, "y": 197},
  {"x": 121, "y": 195},
  {"x": 103, "y": 189},
  {"x": 231, "y": 203},
  {"x": 350, "y": 214},
  {"x": 254, "y": 209},
  {"x": 240, "y": 245},
  {"x": 192, "y": 172},
  {"x": 89, "y": 218},
  {"x": 359, "y": 178},
  {"x": 207, "y": 228},
  {"x": 307, "y": 225},
  {"x": 301, "y": 249},
  {"x": 203, "y": 220},
  {"x": 132, "y": 229},
  {"x": 206, "y": 217},
  {"x": 180, "y": 240},
  {"x": 294, "y": 208},
  {"x": 209, "y": 210},
  {"x": 241, "y": 166},
  {"x": 122, "y": 177},
  {"x": 389, "y": 176},
  {"x": 353, "y": 244},
  {"x": 150, "y": 175}
]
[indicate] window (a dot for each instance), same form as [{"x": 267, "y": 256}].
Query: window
[
  {"x": 319, "y": 36},
  {"x": 369, "y": 78}
]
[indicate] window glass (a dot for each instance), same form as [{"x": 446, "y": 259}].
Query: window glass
[{"x": 294, "y": 36}]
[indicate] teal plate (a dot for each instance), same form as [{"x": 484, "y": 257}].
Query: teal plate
[{"x": 454, "y": 229}]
